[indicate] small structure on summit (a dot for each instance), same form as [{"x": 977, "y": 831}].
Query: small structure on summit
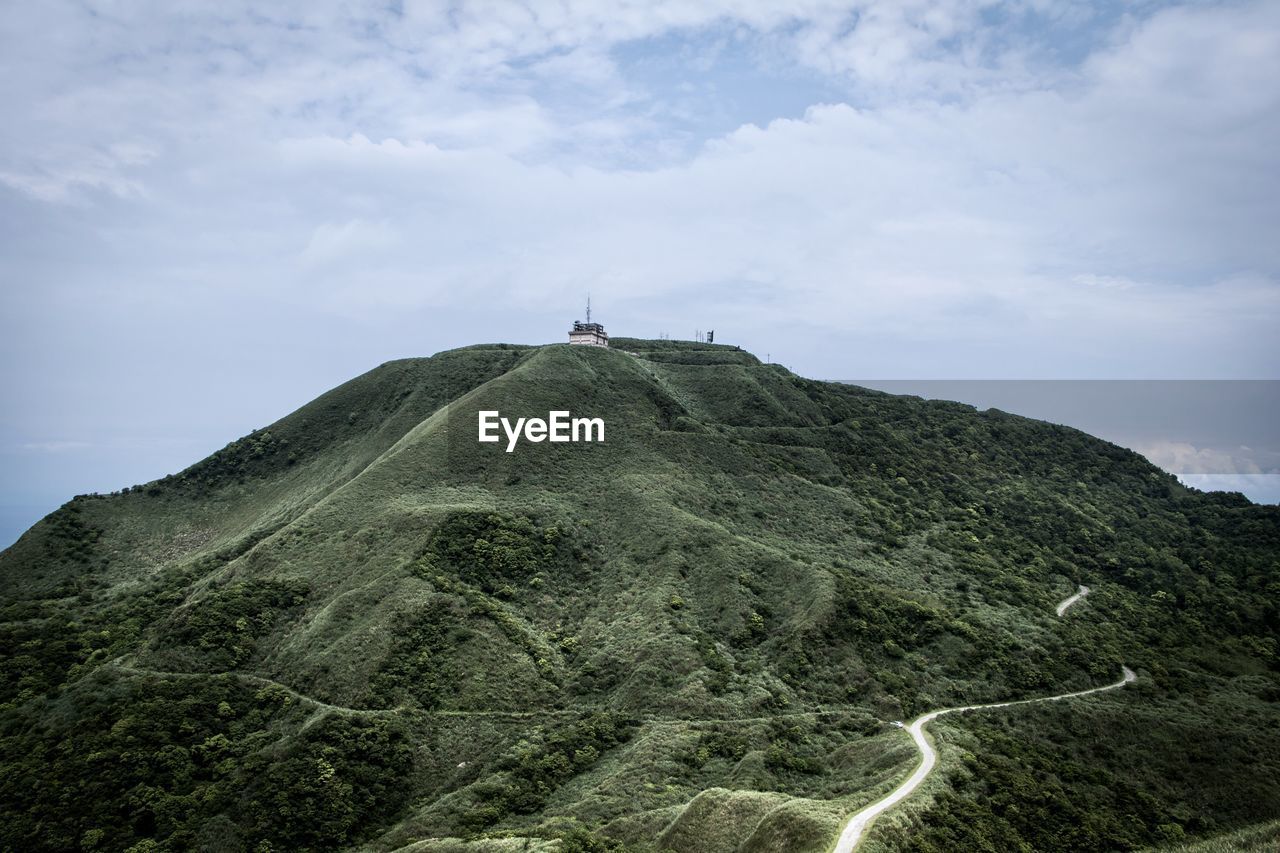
[{"x": 588, "y": 333}]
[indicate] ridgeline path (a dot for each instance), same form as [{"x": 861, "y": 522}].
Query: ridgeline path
[{"x": 857, "y": 825}]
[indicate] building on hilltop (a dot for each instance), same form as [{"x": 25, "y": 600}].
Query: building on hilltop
[{"x": 588, "y": 333}]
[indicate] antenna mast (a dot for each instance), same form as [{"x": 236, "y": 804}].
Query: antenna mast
[{"x": 588, "y": 306}]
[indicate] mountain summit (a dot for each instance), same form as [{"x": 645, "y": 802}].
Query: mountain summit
[{"x": 364, "y": 628}]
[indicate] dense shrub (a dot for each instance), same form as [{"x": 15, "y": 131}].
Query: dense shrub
[
  {"x": 534, "y": 771},
  {"x": 221, "y": 629},
  {"x": 491, "y": 549},
  {"x": 343, "y": 776}
]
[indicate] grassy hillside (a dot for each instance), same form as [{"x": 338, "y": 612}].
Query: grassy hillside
[
  {"x": 361, "y": 628},
  {"x": 1254, "y": 839}
]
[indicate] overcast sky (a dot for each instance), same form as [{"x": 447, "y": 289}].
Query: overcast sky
[{"x": 212, "y": 212}]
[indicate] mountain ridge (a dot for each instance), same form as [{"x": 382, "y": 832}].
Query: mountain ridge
[{"x": 736, "y": 591}]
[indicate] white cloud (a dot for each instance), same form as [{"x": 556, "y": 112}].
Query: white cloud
[
  {"x": 1184, "y": 458},
  {"x": 1110, "y": 281},
  {"x": 64, "y": 171},
  {"x": 355, "y": 238},
  {"x": 1259, "y": 488},
  {"x": 956, "y": 201}
]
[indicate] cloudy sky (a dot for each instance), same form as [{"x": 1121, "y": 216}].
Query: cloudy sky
[{"x": 211, "y": 212}]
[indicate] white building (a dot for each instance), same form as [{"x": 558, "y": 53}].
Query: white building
[{"x": 588, "y": 333}]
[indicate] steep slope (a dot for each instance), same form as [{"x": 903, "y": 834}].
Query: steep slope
[
  {"x": 254, "y": 485},
  {"x": 362, "y": 627}
]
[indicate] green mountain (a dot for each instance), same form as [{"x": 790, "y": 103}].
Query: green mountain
[{"x": 362, "y": 628}]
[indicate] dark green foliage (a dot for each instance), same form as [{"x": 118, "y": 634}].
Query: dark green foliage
[
  {"x": 534, "y": 771},
  {"x": 494, "y": 551},
  {"x": 175, "y": 761},
  {"x": 417, "y": 664},
  {"x": 252, "y": 456},
  {"x": 793, "y": 751},
  {"x": 38, "y": 657},
  {"x": 44, "y": 650},
  {"x": 580, "y": 840},
  {"x": 69, "y": 536},
  {"x": 341, "y": 777},
  {"x": 883, "y": 618},
  {"x": 129, "y": 764},
  {"x": 1067, "y": 779},
  {"x": 220, "y": 630},
  {"x": 718, "y": 744}
]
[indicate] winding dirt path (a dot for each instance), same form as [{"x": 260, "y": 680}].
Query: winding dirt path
[
  {"x": 1067, "y": 602},
  {"x": 857, "y": 825},
  {"x": 929, "y": 757}
]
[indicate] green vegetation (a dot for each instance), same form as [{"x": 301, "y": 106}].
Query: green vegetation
[
  {"x": 1035, "y": 781},
  {"x": 338, "y": 780},
  {"x": 1254, "y": 839},
  {"x": 360, "y": 628},
  {"x": 220, "y": 630},
  {"x": 534, "y": 771},
  {"x": 160, "y": 764},
  {"x": 418, "y": 663},
  {"x": 493, "y": 551}
]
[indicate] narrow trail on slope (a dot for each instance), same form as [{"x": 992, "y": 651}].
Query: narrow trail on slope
[
  {"x": 120, "y": 665},
  {"x": 255, "y": 679},
  {"x": 1067, "y": 602},
  {"x": 322, "y": 706},
  {"x": 857, "y": 825}
]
